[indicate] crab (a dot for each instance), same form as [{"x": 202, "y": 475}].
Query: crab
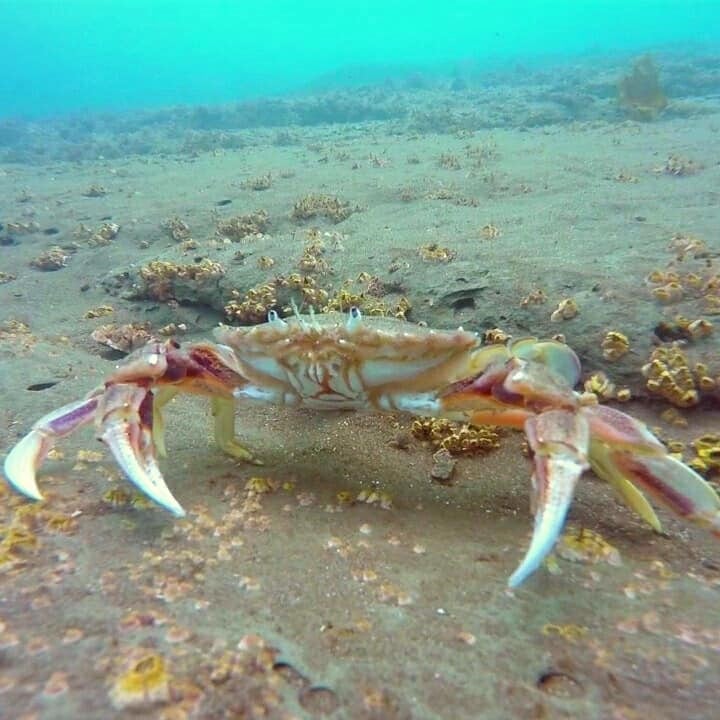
[{"x": 339, "y": 361}]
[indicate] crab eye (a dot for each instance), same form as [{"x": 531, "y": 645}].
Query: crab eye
[
  {"x": 354, "y": 318},
  {"x": 273, "y": 316}
]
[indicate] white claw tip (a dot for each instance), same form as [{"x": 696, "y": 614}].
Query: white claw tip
[{"x": 19, "y": 466}]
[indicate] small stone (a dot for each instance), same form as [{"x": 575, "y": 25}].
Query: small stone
[{"x": 443, "y": 466}]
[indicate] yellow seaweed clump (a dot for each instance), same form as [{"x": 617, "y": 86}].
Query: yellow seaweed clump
[
  {"x": 640, "y": 94},
  {"x": 669, "y": 375},
  {"x": 457, "y": 438},
  {"x": 146, "y": 682}
]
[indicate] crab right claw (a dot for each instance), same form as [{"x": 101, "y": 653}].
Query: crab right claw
[
  {"x": 559, "y": 440},
  {"x": 125, "y": 416}
]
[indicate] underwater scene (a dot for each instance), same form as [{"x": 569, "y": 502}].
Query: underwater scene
[{"x": 360, "y": 360}]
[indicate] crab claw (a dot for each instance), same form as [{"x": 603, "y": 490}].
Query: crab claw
[
  {"x": 559, "y": 440},
  {"x": 125, "y": 418},
  {"x": 626, "y": 454},
  {"x": 25, "y": 458}
]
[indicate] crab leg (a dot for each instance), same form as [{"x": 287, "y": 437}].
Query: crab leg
[
  {"x": 559, "y": 440},
  {"x": 25, "y": 458}
]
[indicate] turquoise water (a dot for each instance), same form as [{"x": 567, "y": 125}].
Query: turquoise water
[{"x": 95, "y": 54}]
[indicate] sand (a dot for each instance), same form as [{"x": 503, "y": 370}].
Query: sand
[{"x": 359, "y": 611}]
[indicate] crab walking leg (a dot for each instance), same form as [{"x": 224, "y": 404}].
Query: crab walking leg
[
  {"x": 125, "y": 420},
  {"x": 223, "y": 412},
  {"x": 26, "y": 457},
  {"x": 163, "y": 396},
  {"x": 559, "y": 440}
]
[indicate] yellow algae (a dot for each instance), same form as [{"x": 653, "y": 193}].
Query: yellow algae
[
  {"x": 586, "y": 546},
  {"x": 146, "y": 682},
  {"x": 568, "y": 632}
]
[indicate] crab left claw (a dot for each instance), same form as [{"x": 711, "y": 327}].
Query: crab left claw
[{"x": 127, "y": 412}]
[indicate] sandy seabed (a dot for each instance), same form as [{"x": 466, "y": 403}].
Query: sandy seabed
[{"x": 292, "y": 603}]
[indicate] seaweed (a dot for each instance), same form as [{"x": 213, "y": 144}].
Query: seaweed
[{"x": 640, "y": 94}]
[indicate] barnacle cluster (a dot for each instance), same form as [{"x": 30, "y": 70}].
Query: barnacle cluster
[
  {"x": 124, "y": 338},
  {"x": 670, "y": 286},
  {"x": 367, "y": 293},
  {"x": 707, "y": 454},
  {"x": 496, "y": 336},
  {"x": 615, "y": 345},
  {"x": 327, "y": 206},
  {"x": 457, "y": 438},
  {"x": 683, "y": 245},
  {"x": 176, "y": 228},
  {"x": 534, "y": 297},
  {"x": 99, "y": 311},
  {"x": 669, "y": 374},
  {"x": 163, "y": 280},
  {"x": 448, "y": 161},
  {"x": 433, "y": 252},
  {"x": 303, "y": 291},
  {"x": 253, "y": 307},
  {"x": 582, "y": 545},
  {"x": 95, "y": 191},
  {"x": 490, "y": 231},
  {"x": 22, "y": 228},
  {"x": 599, "y": 384},
  {"x": 566, "y": 310},
  {"x": 682, "y": 328},
  {"x": 52, "y": 259},
  {"x": 312, "y": 259},
  {"x": 679, "y": 166},
  {"x": 105, "y": 234},
  {"x": 261, "y": 182},
  {"x": 243, "y": 226}
]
